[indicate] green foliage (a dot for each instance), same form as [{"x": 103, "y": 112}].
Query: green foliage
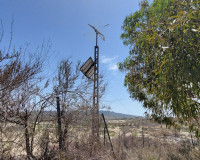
[{"x": 162, "y": 70}]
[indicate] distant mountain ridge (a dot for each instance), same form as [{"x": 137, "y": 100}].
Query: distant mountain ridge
[
  {"x": 112, "y": 114},
  {"x": 107, "y": 114}
]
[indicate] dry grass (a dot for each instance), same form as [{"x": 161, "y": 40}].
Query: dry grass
[
  {"x": 128, "y": 141},
  {"x": 131, "y": 148}
]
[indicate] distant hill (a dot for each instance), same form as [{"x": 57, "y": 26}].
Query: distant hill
[
  {"x": 111, "y": 114},
  {"x": 107, "y": 114}
]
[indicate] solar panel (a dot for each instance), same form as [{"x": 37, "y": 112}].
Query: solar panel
[
  {"x": 88, "y": 68},
  {"x": 90, "y": 72}
]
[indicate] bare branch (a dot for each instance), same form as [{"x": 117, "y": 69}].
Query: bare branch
[
  {"x": 2, "y": 32},
  {"x": 11, "y": 36}
]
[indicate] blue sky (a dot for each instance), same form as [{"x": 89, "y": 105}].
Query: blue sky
[{"x": 65, "y": 24}]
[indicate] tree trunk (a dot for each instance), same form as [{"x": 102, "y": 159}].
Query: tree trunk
[{"x": 26, "y": 133}]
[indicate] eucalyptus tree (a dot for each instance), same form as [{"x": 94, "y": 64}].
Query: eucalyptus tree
[{"x": 162, "y": 69}]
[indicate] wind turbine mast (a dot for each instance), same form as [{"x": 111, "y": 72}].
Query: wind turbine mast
[{"x": 95, "y": 110}]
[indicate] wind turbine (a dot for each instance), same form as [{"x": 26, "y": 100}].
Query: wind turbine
[
  {"x": 90, "y": 68},
  {"x": 98, "y": 33},
  {"x": 95, "y": 114}
]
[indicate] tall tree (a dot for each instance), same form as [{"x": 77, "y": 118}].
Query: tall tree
[
  {"x": 21, "y": 100},
  {"x": 163, "y": 65},
  {"x": 75, "y": 95},
  {"x": 72, "y": 91}
]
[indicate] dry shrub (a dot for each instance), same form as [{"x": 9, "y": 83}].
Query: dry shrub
[
  {"x": 130, "y": 148},
  {"x": 80, "y": 149},
  {"x": 86, "y": 149}
]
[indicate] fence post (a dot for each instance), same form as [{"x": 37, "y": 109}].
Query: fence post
[
  {"x": 104, "y": 136},
  {"x": 142, "y": 138},
  {"x": 108, "y": 134},
  {"x": 191, "y": 139},
  {"x": 59, "y": 123}
]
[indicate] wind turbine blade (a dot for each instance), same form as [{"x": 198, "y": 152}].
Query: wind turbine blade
[
  {"x": 106, "y": 25},
  {"x": 102, "y": 36},
  {"x": 92, "y": 26}
]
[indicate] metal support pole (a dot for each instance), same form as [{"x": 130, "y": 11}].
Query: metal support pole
[
  {"x": 95, "y": 110},
  {"x": 95, "y": 127}
]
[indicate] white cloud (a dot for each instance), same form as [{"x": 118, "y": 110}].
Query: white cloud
[
  {"x": 107, "y": 60},
  {"x": 113, "y": 67},
  {"x": 110, "y": 62}
]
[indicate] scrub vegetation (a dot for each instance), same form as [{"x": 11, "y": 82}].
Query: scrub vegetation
[{"x": 44, "y": 118}]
